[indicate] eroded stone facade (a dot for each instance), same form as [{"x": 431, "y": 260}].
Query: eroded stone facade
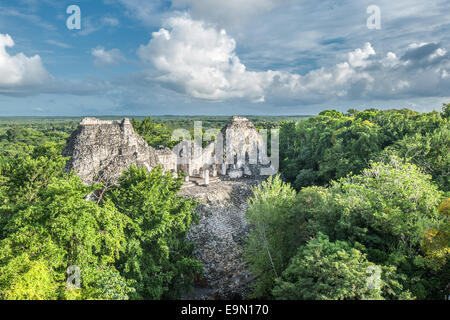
[
  {"x": 238, "y": 151},
  {"x": 101, "y": 150}
]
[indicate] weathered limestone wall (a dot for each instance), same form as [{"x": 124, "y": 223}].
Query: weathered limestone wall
[
  {"x": 101, "y": 150},
  {"x": 239, "y": 151},
  {"x": 167, "y": 158},
  {"x": 245, "y": 148}
]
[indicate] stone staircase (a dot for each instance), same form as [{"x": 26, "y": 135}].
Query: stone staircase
[
  {"x": 188, "y": 184},
  {"x": 198, "y": 181}
]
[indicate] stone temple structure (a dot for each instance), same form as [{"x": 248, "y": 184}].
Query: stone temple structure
[
  {"x": 101, "y": 150},
  {"x": 238, "y": 151}
]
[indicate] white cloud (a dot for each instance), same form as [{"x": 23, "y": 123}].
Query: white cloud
[
  {"x": 32, "y": 18},
  {"x": 358, "y": 58},
  {"x": 148, "y": 12},
  {"x": 390, "y": 60},
  {"x": 440, "y": 52},
  {"x": 110, "y": 21},
  {"x": 92, "y": 24},
  {"x": 58, "y": 44},
  {"x": 21, "y": 75},
  {"x": 227, "y": 12},
  {"x": 198, "y": 60},
  {"x": 445, "y": 74},
  {"x": 106, "y": 57},
  {"x": 19, "y": 70}
]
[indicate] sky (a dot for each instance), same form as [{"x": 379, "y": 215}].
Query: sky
[{"x": 215, "y": 57}]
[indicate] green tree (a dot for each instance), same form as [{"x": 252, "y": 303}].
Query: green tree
[
  {"x": 332, "y": 145},
  {"x": 157, "y": 255},
  {"x": 110, "y": 285},
  {"x": 25, "y": 279},
  {"x": 446, "y": 111},
  {"x": 385, "y": 212},
  {"x": 388, "y": 208},
  {"x": 436, "y": 242},
  {"x": 324, "y": 270},
  {"x": 47, "y": 218},
  {"x": 429, "y": 151},
  {"x": 156, "y": 134},
  {"x": 268, "y": 248}
]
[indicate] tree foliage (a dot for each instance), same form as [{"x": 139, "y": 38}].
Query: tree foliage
[
  {"x": 332, "y": 145},
  {"x": 48, "y": 224},
  {"x": 384, "y": 212},
  {"x": 436, "y": 242},
  {"x": 157, "y": 253},
  {"x": 155, "y": 134},
  {"x": 267, "y": 247},
  {"x": 324, "y": 270}
]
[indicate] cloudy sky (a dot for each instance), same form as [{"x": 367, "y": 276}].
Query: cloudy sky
[{"x": 215, "y": 57}]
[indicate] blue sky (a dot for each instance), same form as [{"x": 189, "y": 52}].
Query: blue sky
[{"x": 214, "y": 57}]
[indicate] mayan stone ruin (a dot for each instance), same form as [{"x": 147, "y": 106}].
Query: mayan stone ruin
[
  {"x": 100, "y": 150},
  {"x": 238, "y": 151}
]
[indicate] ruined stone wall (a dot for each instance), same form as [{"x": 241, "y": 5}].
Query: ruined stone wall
[
  {"x": 101, "y": 150},
  {"x": 245, "y": 148},
  {"x": 167, "y": 158},
  {"x": 238, "y": 151}
]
